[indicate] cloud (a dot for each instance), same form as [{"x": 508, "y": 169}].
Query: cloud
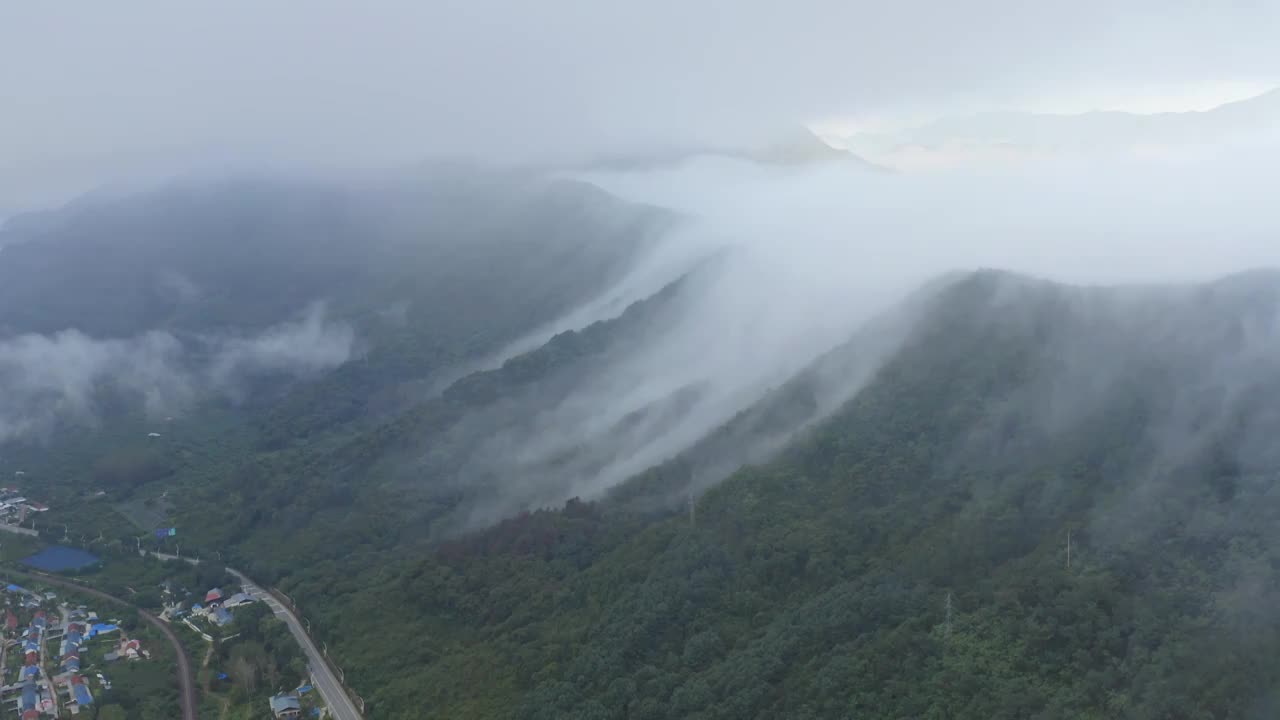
[
  {"x": 44, "y": 379},
  {"x": 802, "y": 259},
  {"x": 302, "y": 348},
  {"x": 50, "y": 379},
  {"x": 101, "y": 91}
]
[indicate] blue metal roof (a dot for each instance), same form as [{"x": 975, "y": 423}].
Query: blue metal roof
[
  {"x": 99, "y": 628},
  {"x": 82, "y": 694},
  {"x": 280, "y": 703}
]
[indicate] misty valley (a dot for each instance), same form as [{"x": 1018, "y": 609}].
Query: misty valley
[{"x": 709, "y": 434}]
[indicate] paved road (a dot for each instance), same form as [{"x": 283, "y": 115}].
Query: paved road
[
  {"x": 340, "y": 705},
  {"x": 335, "y": 697},
  {"x": 186, "y": 680}
]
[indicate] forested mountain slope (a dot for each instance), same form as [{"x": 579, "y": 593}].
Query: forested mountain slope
[
  {"x": 427, "y": 247},
  {"x": 898, "y": 548},
  {"x": 224, "y": 294},
  {"x": 221, "y": 289},
  {"x": 906, "y": 557}
]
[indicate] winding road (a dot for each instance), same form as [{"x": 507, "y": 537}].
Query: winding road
[{"x": 186, "y": 680}]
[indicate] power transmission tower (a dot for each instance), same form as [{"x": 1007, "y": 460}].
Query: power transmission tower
[
  {"x": 1068, "y": 549},
  {"x": 693, "y": 512}
]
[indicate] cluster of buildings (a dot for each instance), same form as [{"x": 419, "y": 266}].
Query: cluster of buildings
[
  {"x": 29, "y": 701},
  {"x": 14, "y": 508},
  {"x": 128, "y": 649},
  {"x": 77, "y": 631},
  {"x": 49, "y": 653},
  {"x": 217, "y": 607}
]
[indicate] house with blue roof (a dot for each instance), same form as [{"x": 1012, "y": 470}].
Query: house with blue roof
[
  {"x": 80, "y": 691},
  {"x": 29, "y": 695},
  {"x": 220, "y": 617},
  {"x": 71, "y": 642},
  {"x": 286, "y": 706},
  {"x": 100, "y": 628}
]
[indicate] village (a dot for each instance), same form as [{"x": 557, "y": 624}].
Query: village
[
  {"x": 211, "y": 617},
  {"x": 16, "y": 510},
  {"x": 63, "y": 654},
  {"x": 57, "y": 655},
  {"x": 45, "y": 643}
]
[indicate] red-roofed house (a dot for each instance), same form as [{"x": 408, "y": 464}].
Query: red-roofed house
[{"x": 213, "y": 596}]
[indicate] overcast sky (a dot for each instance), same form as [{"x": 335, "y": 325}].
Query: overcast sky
[{"x": 94, "y": 91}]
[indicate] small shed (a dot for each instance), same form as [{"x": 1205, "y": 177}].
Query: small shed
[{"x": 286, "y": 706}]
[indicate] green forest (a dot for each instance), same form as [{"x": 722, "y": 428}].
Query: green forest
[
  {"x": 1046, "y": 501},
  {"x": 885, "y": 565}
]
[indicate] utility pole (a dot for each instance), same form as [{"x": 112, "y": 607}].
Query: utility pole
[{"x": 947, "y": 626}]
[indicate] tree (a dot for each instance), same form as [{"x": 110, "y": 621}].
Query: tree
[{"x": 112, "y": 712}]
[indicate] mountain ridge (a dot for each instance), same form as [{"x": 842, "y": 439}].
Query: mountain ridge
[
  {"x": 1090, "y": 132},
  {"x": 794, "y": 561},
  {"x": 955, "y": 472}
]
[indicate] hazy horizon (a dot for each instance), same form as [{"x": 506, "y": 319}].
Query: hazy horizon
[{"x": 145, "y": 89}]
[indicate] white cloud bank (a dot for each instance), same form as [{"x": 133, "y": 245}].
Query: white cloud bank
[
  {"x": 812, "y": 253},
  {"x": 47, "y": 379}
]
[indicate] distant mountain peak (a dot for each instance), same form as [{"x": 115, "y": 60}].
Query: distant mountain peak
[
  {"x": 797, "y": 147},
  {"x": 1004, "y": 135}
]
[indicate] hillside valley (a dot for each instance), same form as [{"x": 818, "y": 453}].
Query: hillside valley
[{"x": 347, "y": 392}]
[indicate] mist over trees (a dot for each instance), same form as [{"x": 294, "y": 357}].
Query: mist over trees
[{"x": 616, "y": 444}]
